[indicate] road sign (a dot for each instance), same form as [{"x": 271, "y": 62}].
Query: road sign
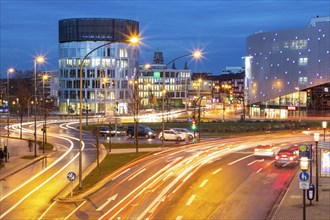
[
  {"x": 71, "y": 176},
  {"x": 303, "y": 176},
  {"x": 303, "y": 185},
  {"x": 305, "y": 150}
]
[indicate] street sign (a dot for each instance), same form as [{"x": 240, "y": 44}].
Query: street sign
[
  {"x": 71, "y": 176},
  {"x": 303, "y": 176},
  {"x": 305, "y": 150},
  {"x": 303, "y": 185}
]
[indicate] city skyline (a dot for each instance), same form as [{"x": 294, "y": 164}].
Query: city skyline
[{"x": 220, "y": 29}]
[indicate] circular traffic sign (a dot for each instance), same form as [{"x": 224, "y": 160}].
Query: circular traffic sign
[
  {"x": 303, "y": 148},
  {"x": 71, "y": 176}
]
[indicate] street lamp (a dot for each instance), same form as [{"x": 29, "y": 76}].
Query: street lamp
[
  {"x": 38, "y": 59},
  {"x": 196, "y": 54},
  {"x": 135, "y": 86},
  {"x": 324, "y": 126},
  {"x": 44, "y": 131},
  {"x": 10, "y": 70},
  {"x": 304, "y": 167},
  {"x": 317, "y": 139},
  {"x": 298, "y": 89},
  {"x": 133, "y": 40}
]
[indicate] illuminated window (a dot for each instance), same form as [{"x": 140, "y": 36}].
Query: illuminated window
[
  {"x": 302, "y": 80},
  {"x": 303, "y": 61}
]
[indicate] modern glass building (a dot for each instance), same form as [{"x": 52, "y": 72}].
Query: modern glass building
[
  {"x": 106, "y": 71},
  {"x": 288, "y": 71}
]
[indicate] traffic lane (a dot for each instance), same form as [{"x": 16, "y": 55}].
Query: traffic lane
[{"x": 231, "y": 186}]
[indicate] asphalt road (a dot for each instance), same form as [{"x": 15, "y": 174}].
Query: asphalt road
[{"x": 216, "y": 179}]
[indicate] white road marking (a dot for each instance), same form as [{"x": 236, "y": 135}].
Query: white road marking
[
  {"x": 217, "y": 171},
  {"x": 45, "y": 212},
  {"x": 255, "y": 162},
  {"x": 179, "y": 217},
  {"x": 259, "y": 170},
  {"x": 203, "y": 183},
  {"x": 192, "y": 198},
  {"x": 75, "y": 210},
  {"x": 107, "y": 202},
  {"x": 240, "y": 159},
  {"x": 141, "y": 171}
]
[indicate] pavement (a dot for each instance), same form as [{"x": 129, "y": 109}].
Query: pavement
[{"x": 288, "y": 206}]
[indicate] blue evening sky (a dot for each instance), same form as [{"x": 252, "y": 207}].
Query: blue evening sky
[{"x": 175, "y": 27}]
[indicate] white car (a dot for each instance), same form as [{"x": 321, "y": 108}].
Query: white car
[
  {"x": 171, "y": 135},
  {"x": 187, "y": 133},
  {"x": 267, "y": 150}
]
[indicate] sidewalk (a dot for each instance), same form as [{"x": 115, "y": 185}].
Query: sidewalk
[
  {"x": 291, "y": 206},
  {"x": 17, "y": 149}
]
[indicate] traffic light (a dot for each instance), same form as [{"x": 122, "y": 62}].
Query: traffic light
[{"x": 193, "y": 125}]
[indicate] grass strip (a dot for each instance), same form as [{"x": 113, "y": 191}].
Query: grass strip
[{"x": 110, "y": 163}]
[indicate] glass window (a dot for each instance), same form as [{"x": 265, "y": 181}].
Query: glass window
[{"x": 303, "y": 61}]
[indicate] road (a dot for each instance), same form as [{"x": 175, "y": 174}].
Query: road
[
  {"x": 216, "y": 179},
  {"x": 25, "y": 195}
]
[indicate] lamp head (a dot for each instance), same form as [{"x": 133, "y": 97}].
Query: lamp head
[
  {"x": 197, "y": 54},
  {"x": 324, "y": 124},
  {"x": 40, "y": 59},
  {"x": 304, "y": 163},
  {"x": 11, "y": 70},
  {"x": 316, "y": 137},
  {"x": 45, "y": 77},
  {"x": 134, "y": 40}
]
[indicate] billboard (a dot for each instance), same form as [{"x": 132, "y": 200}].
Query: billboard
[{"x": 325, "y": 162}]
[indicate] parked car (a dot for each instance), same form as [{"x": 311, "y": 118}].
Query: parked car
[
  {"x": 187, "y": 133},
  {"x": 171, "y": 135},
  {"x": 267, "y": 150},
  {"x": 104, "y": 130},
  {"x": 143, "y": 131},
  {"x": 287, "y": 157}
]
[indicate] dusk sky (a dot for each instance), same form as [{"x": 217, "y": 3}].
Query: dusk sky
[{"x": 219, "y": 27}]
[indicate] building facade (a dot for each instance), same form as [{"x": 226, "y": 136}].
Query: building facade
[
  {"x": 176, "y": 81},
  {"x": 283, "y": 67},
  {"x": 105, "y": 72}
]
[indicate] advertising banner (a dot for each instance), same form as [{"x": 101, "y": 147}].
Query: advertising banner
[{"x": 325, "y": 163}]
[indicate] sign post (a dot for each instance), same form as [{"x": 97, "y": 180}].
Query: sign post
[{"x": 71, "y": 176}]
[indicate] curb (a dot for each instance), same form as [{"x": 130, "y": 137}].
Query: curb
[{"x": 21, "y": 167}]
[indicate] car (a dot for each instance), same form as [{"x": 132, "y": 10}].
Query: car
[
  {"x": 171, "y": 135},
  {"x": 266, "y": 150},
  {"x": 187, "y": 133},
  {"x": 287, "y": 157},
  {"x": 104, "y": 130},
  {"x": 143, "y": 131}
]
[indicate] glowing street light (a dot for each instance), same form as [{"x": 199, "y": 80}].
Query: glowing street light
[
  {"x": 196, "y": 55},
  {"x": 317, "y": 139},
  {"x": 324, "y": 126},
  {"x": 9, "y": 71},
  {"x": 133, "y": 40},
  {"x": 38, "y": 59},
  {"x": 44, "y": 130}
]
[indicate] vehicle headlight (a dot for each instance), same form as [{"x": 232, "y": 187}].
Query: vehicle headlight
[{"x": 150, "y": 133}]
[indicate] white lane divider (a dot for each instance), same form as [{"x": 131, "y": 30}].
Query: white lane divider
[
  {"x": 75, "y": 210},
  {"x": 259, "y": 170},
  {"x": 192, "y": 198},
  {"x": 243, "y": 158},
  {"x": 203, "y": 183},
  {"x": 217, "y": 171},
  {"x": 141, "y": 171},
  {"x": 249, "y": 164}
]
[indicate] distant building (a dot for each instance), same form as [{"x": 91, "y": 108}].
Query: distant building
[
  {"x": 106, "y": 71},
  {"x": 288, "y": 71},
  {"x": 176, "y": 81}
]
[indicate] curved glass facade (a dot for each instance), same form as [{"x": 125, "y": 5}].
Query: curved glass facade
[
  {"x": 282, "y": 65},
  {"x": 105, "y": 75}
]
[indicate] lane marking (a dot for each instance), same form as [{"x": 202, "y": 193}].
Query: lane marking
[
  {"x": 179, "y": 217},
  {"x": 255, "y": 162},
  {"x": 217, "y": 171},
  {"x": 112, "y": 198},
  {"x": 203, "y": 183},
  {"x": 141, "y": 171},
  {"x": 192, "y": 198},
  {"x": 45, "y": 212},
  {"x": 75, "y": 210},
  {"x": 259, "y": 170},
  {"x": 240, "y": 159}
]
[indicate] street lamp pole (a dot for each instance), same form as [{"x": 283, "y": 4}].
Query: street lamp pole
[
  {"x": 196, "y": 54},
  {"x": 38, "y": 59},
  {"x": 44, "y": 134},
  {"x": 317, "y": 139},
  {"x": 10, "y": 70},
  {"x": 324, "y": 126},
  {"x": 133, "y": 40}
]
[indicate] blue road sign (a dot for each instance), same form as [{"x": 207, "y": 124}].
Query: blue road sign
[
  {"x": 71, "y": 176},
  {"x": 303, "y": 176}
]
